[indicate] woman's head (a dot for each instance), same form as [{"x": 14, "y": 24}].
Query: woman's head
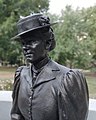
[
  {"x": 45, "y": 34},
  {"x": 36, "y": 36},
  {"x": 36, "y": 44}
]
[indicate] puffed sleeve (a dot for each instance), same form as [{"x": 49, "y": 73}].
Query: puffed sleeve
[
  {"x": 15, "y": 112},
  {"x": 73, "y": 97}
]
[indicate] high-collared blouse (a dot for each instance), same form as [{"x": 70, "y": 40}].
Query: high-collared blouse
[{"x": 59, "y": 93}]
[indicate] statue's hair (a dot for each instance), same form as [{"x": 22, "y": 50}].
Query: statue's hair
[
  {"x": 53, "y": 44},
  {"x": 48, "y": 35}
]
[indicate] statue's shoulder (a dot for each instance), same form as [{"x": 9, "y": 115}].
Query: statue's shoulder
[
  {"x": 65, "y": 69},
  {"x": 62, "y": 68},
  {"x": 70, "y": 73},
  {"x": 19, "y": 70}
]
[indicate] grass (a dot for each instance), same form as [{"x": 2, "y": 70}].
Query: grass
[
  {"x": 92, "y": 86},
  {"x": 7, "y": 77}
]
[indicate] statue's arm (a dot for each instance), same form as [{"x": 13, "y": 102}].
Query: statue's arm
[
  {"x": 15, "y": 112},
  {"x": 73, "y": 97}
]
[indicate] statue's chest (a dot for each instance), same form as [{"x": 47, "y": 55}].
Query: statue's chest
[{"x": 39, "y": 99}]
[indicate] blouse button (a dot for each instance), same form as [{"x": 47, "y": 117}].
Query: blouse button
[
  {"x": 29, "y": 113},
  {"x": 30, "y": 97},
  {"x": 29, "y": 105}
]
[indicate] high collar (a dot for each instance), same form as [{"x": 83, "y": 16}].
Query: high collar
[
  {"x": 39, "y": 66},
  {"x": 48, "y": 73}
]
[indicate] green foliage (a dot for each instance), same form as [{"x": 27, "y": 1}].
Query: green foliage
[
  {"x": 91, "y": 22},
  {"x": 10, "y": 11},
  {"x": 76, "y": 38}
]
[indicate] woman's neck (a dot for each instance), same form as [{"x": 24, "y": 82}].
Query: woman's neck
[{"x": 39, "y": 64}]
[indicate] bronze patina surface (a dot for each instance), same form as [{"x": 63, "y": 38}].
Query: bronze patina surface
[{"x": 45, "y": 90}]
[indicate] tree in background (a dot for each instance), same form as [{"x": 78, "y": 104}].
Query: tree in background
[
  {"x": 10, "y": 11},
  {"x": 90, "y": 19},
  {"x": 76, "y": 43},
  {"x": 75, "y": 37}
]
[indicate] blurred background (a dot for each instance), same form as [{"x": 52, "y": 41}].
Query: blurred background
[{"x": 75, "y": 36}]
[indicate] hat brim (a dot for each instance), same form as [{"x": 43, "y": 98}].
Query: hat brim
[{"x": 18, "y": 36}]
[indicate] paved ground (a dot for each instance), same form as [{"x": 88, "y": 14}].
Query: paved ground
[
  {"x": 5, "y": 108},
  {"x": 5, "y": 104}
]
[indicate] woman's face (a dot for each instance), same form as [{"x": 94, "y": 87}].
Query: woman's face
[{"x": 33, "y": 48}]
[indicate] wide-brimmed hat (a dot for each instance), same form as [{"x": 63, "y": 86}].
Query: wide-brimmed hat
[{"x": 32, "y": 22}]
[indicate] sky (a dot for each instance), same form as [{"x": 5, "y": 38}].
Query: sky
[{"x": 57, "y": 5}]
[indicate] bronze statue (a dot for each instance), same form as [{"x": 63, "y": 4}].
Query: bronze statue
[{"x": 45, "y": 90}]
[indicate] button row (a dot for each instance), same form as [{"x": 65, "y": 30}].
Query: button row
[{"x": 30, "y": 104}]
